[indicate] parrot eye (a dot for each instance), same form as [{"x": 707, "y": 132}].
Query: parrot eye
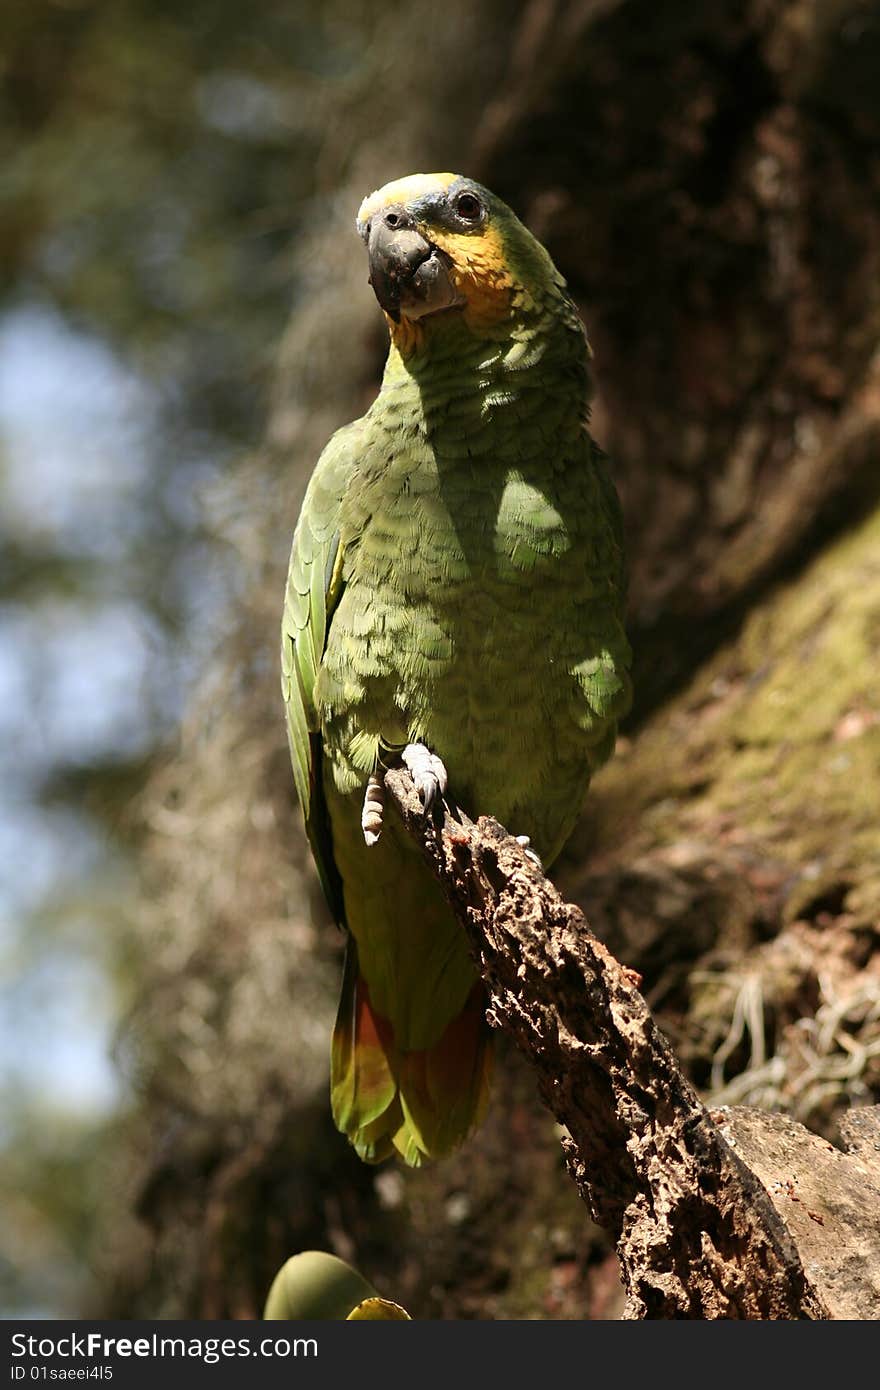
[{"x": 468, "y": 206}]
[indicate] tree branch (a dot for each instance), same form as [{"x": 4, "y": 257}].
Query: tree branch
[{"x": 696, "y": 1231}]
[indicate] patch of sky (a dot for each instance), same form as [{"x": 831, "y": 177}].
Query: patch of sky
[{"x": 94, "y": 467}]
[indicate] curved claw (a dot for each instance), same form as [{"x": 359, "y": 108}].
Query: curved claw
[
  {"x": 427, "y": 771},
  {"x": 530, "y": 853},
  {"x": 373, "y": 813}
]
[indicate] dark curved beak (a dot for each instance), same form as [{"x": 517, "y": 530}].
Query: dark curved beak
[{"x": 395, "y": 253}]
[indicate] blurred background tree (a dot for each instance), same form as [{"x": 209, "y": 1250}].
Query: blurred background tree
[{"x": 184, "y": 322}]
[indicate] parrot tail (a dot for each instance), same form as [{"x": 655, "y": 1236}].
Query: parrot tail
[{"x": 422, "y": 1103}]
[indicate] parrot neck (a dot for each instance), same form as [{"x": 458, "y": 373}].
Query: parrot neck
[{"x": 539, "y": 345}]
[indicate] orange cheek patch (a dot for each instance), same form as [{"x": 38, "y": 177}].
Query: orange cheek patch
[{"x": 479, "y": 273}]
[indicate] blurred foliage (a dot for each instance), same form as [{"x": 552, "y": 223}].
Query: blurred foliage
[{"x": 157, "y": 168}]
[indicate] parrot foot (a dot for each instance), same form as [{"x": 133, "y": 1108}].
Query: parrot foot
[
  {"x": 530, "y": 854},
  {"x": 427, "y": 772},
  {"x": 373, "y": 813}
]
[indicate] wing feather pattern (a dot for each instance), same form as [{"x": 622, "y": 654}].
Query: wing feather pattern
[{"x": 314, "y": 586}]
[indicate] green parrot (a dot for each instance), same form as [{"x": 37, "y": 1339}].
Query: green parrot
[{"x": 455, "y": 601}]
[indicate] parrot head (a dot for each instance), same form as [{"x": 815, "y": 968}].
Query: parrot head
[{"x": 441, "y": 245}]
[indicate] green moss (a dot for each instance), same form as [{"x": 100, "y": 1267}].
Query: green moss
[{"x": 777, "y": 741}]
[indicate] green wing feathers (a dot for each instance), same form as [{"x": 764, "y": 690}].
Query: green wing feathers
[{"x": 313, "y": 589}]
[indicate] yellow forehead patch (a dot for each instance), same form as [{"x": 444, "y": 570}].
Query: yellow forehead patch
[{"x": 403, "y": 191}]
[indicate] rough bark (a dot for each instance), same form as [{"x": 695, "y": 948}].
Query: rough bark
[
  {"x": 697, "y": 1236},
  {"x": 829, "y": 1201}
]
